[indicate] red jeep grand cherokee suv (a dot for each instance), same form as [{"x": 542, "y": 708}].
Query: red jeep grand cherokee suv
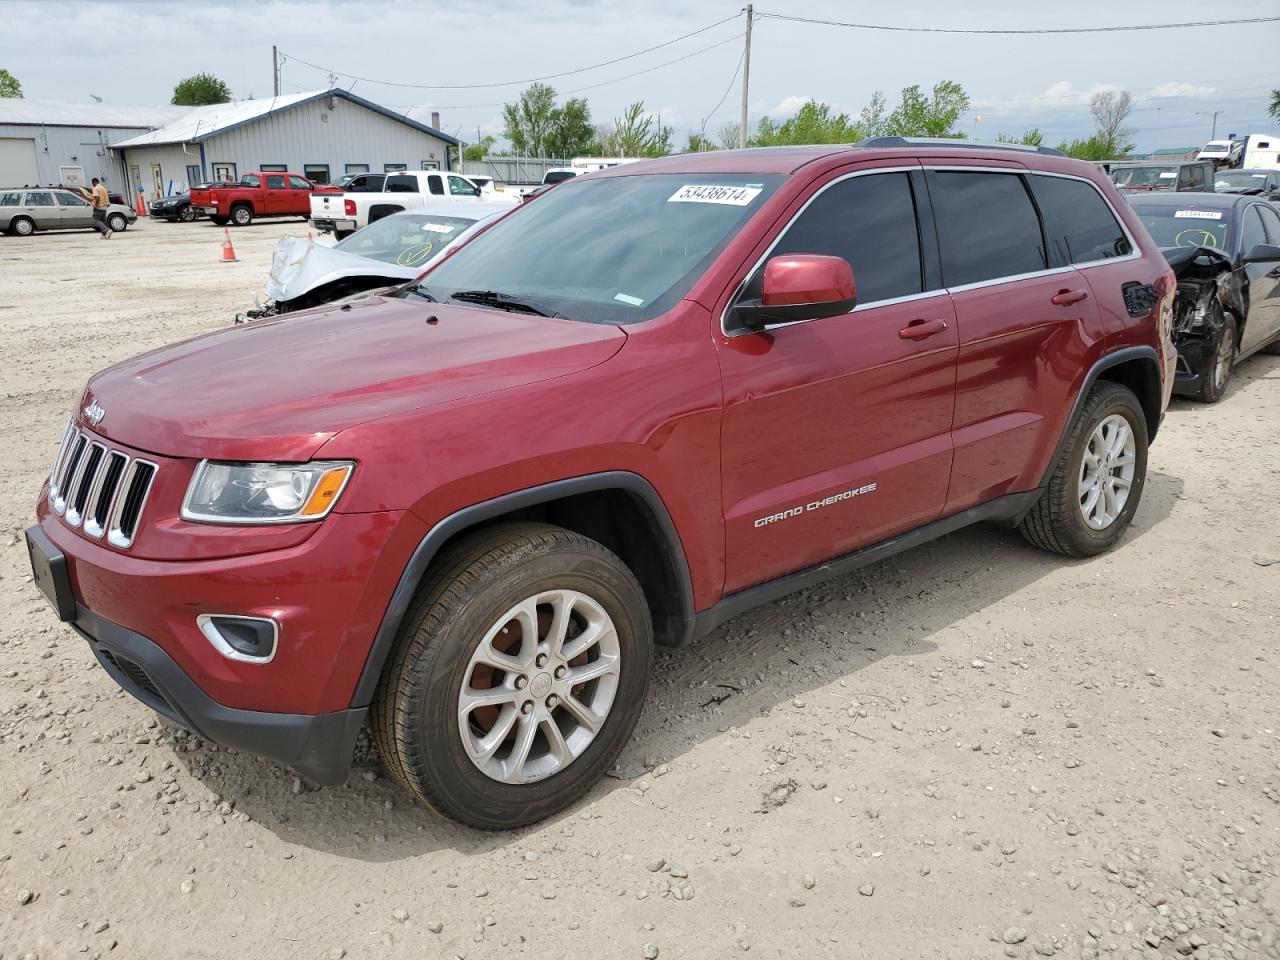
[{"x": 630, "y": 410}]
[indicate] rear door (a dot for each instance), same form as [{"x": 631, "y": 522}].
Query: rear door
[
  {"x": 41, "y": 208},
  {"x": 836, "y": 432},
  {"x": 1263, "y": 319},
  {"x": 276, "y": 195},
  {"x": 1025, "y": 328}
]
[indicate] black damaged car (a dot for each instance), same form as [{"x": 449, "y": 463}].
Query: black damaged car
[
  {"x": 177, "y": 207},
  {"x": 1225, "y": 251}
]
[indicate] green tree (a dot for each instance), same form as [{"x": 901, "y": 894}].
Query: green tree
[
  {"x": 9, "y": 85},
  {"x": 935, "y": 115},
  {"x": 636, "y": 134},
  {"x": 572, "y": 133},
  {"x": 1093, "y": 148},
  {"x": 528, "y": 122},
  {"x": 203, "y": 88},
  {"x": 1030, "y": 138},
  {"x": 1274, "y": 109},
  {"x": 871, "y": 120},
  {"x": 812, "y": 123},
  {"x": 698, "y": 143},
  {"x": 480, "y": 149}
]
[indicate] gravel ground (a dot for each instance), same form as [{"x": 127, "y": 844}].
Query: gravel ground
[{"x": 972, "y": 750}]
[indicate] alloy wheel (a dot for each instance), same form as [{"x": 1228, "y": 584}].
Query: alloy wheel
[
  {"x": 1107, "y": 471},
  {"x": 539, "y": 686}
]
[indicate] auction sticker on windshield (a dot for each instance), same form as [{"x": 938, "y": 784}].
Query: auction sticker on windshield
[
  {"x": 709, "y": 193},
  {"x": 1199, "y": 214},
  {"x": 437, "y": 228}
]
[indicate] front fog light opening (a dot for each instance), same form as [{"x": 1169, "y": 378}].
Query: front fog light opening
[{"x": 236, "y": 637}]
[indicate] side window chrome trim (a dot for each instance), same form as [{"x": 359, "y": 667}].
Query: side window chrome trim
[{"x": 742, "y": 284}]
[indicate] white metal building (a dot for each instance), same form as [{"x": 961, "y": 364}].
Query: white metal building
[
  {"x": 54, "y": 142},
  {"x": 320, "y": 134}
]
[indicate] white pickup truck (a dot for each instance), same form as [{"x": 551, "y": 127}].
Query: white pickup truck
[{"x": 344, "y": 213}]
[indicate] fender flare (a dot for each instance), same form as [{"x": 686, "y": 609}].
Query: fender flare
[
  {"x": 461, "y": 520},
  {"x": 1105, "y": 362}
]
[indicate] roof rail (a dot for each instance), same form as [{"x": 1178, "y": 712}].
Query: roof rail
[{"x": 958, "y": 144}]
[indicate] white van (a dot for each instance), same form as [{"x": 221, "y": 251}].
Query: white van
[{"x": 1261, "y": 152}]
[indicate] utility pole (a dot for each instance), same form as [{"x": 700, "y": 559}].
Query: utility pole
[
  {"x": 1214, "y": 134},
  {"x": 275, "y": 71},
  {"x": 746, "y": 81}
]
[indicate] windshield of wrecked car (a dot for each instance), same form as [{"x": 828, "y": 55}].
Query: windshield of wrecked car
[
  {"x": 614, "y": 250},
  {"x": 1238, "y": 180},
  {"x": 1146, "y": 178},
  {"x": 407, "y": 241},
  {"x": 1173, "y": 226}
]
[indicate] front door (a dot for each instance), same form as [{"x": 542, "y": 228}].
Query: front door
[
  {"x": 836, "y": 432},
  {"x": 1264, "y": 278},
  {"x": 76, "y": 213}
]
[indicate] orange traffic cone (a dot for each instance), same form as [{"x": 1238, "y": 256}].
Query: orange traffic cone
[
  {"x": 140, "y": 206},
  {"x": 228, "y": 251}
]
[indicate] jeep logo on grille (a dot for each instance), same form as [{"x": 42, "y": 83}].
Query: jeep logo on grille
[{"x": 94, "y": 413}]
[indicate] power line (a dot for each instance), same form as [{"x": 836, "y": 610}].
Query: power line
[
  {"x": 512, "y": 83},
  {"x": 605, "y": 83},
  {"x": 725, "y": 95},
  {"x": 1047, "y": 30}
]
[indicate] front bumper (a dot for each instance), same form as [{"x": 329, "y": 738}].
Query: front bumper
[
  {"x": 319, "y": 747},
  {"x": 1196, "y": 355}
]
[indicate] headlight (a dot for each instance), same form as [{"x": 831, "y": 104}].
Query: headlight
[{"x": 264, "y": 492}]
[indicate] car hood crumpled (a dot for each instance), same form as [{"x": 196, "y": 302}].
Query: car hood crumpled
[
  {"x": 299, "y": 265},
  {"x": 279, "y": 389}
]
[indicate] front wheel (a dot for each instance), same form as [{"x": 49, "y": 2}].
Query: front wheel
[
  {"x": 1213, "y": 382},
  {"x": 1097, "y": 482},
  {"x": 518, "y": 676},
  {"x": 117, "y": 222},
  {"x": 187, "y": 214}
]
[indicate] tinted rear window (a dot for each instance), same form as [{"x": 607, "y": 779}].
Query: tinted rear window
[
  {"x": 1080, "y": 226},
  {"x": 987, "y": 226}
]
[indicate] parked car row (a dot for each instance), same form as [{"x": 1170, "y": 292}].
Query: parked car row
[{"x": 375, "y": 196}]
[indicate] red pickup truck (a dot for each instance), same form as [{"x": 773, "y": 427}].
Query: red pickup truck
[{"x": 256, "y": 195}]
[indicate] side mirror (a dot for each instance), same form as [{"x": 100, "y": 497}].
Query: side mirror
[
  {"x": 1263, "y": 253},
  {"x": 800, "y": 286}
]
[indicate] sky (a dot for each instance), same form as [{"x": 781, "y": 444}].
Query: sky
[{"x": 407, "y": 53}]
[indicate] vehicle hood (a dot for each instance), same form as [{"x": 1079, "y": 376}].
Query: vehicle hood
[
  {"x": 279, "y": 389},
  {"x": 299, "y": 265}
]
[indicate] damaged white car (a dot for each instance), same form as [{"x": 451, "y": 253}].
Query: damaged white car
[{"x": 384, "y": 254}]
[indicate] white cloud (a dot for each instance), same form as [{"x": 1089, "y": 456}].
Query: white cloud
[
  {"x": 787, "y": 106},
  {"x": 1176, "y": 89}
]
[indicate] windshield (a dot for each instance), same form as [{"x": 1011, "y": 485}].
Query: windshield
[
  {"x": 1239, "y": 180},
  {"x": 407, "y": 241},
  {"x": 1171, "y": 226},
  {"x": 615, "y": 250},
  {"x": 1145, "y": 178}
]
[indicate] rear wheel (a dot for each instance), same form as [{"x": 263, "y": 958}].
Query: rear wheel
[
  {"x": 22, "y": 227},
  {"x": 1273, "y": 347},
  {"x": 1097, "y": 482},
  {"x": 1213, "y": 383},
  {"x": 241, "y": 215},
  {"x": 519, "y": 675}
]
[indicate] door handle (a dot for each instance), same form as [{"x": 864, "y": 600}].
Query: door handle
[
  {"x": 922, "y": 329},
  {"x": 1064, "y": 298}
]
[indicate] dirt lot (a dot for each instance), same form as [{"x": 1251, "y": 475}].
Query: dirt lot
[{"x": 973, "y": 750}]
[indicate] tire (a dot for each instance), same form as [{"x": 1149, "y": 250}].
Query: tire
[
  {"x": 241, "y": 215},
  {"x": 470, "y": 595},
  {"x": 1058, "y": 522},
  {"x": 1273, "y": 347},
  {"x": 342, "y": 234},
  {"x": 1213, "y": 384},
  {"x": 117, "y": 223},
  {"x": 220, "y": 221},
  {"x": 22, "y": 226},
  {"x": 187, "y": 214}
]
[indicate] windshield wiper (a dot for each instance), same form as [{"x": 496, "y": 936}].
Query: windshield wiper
[
  {"x": 504, "y": 301},
  {"x": 417, "y": 289}
]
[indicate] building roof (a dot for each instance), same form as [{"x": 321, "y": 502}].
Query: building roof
[
  {"x": 201, "y": 123},
  {"x": 63, "y": 113}
]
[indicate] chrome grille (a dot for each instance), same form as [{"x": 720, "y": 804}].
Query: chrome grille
[{"x": 102, "y": 490}]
